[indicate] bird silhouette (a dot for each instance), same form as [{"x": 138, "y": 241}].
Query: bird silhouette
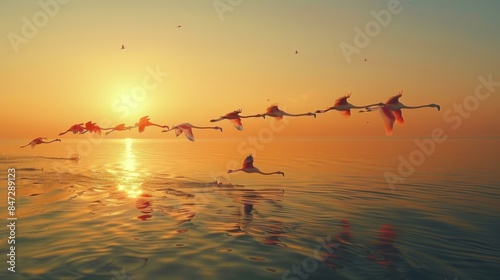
[
  {"x": 38, "y": 141},
  {"x": 235, "y": 118},
  {"x": 144, "y": 121},
  {"x": 187, "y": 129},
  {"x": 76, "y": 128},
  {"x": 274, "y": 111},
  {"x": 249, "y": 168},
  {"x": 345, "y": 107}
]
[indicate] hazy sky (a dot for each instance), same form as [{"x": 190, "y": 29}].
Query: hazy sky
[{"x": 61, "y": 64}]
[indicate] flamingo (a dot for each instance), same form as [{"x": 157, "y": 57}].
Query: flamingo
[
  {"x": 187, "y": 128},
  {"x": 92, "y": 127},
  {"x": 249, "y": 168},
  {"x": 236, "y": 118},
  {"x": 144, "y": 121},
  {"x": 396, "y": 107},
  {"x": 345, "y": 107},
  {"x": 119, "y": 127},
  {"x": 39, "y": 140},
  {"x": 76, "y": 128},
  {"x": 275, "y": 112}
]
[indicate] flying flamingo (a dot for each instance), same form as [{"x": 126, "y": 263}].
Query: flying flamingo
[
  {"x": 76, "y": 128},
  {"x": 144, "y": 121},
  {"x": 236, "y": 118},
  {"x": 275, "y": 112},
  {"x": 92, "y": 127},
  {"x": 119, "y": 127},
  {"x": 396, "y": 107},
  {"x": 345, "y": 107},
  {"x": 187, "y": 128},
  {"x": 39, "y": 140},
  {"x": 249, "y": 168}
]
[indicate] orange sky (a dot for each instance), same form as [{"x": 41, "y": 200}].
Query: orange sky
[{"x": 71, "y": 69}]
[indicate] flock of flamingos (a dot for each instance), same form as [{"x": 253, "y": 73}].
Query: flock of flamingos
[{"x": 390, "y": 112}]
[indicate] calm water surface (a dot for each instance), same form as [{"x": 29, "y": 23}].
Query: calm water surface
[{"x": 149, "y": 209}]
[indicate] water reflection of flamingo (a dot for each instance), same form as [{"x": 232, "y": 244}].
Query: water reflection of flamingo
[
  {"x": 145, "y": 206},
  {"x": 385, "y": 247},
  {"x": 251, "y": 222}
]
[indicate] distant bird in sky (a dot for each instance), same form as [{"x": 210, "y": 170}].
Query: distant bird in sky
[
  {"x": 296, "y": 52},
  {"x": 179, "y": 26},
  {"x": 366, "y": 60},
  {"x": 345, "y": 107},
  {"x": 396, "y": 107},
  {"x": 123, "y": 47},
  {"x": 187, "y": 129},
  {"x": 249, "y": 168},
  {"x": 274, "y": 111},
  {"x": 76, "y": 128},
  {"x": 92, "y": 127},
  {"x": 38, "y": 141},
  {"x": 144, "y": 121},
  {"x": 119, "y": 127},
  {"x": 235, "y": 118}
]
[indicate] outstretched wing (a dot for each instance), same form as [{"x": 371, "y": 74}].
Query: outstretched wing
[
  {"x": 395, "y": 98},
  {"x": 272, "y": 108},
  {"x": 237, "y": 123},
  {"x": 388, "y": 118},
  {"x": 346, "y": 113},
  {"x": 399, "y": 116},
  {"x": 342, "y": 100},
  {"x": 248, "y": 163}
]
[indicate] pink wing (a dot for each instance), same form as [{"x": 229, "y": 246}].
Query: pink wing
[
  {"x": 346, "y": 113},
  {"x": 248, "y": 163},
  {"x": 342, "y": 100},
  {"x": 237, "y": 123},
  {"x": 188, "y": 132},
  {"x": 399, "y": 116},
  {"x": 388, "y": 119},
  {"x": 394, "y": 99}
]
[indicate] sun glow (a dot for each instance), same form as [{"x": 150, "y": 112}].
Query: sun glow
[{"x": 130, "y": 181}]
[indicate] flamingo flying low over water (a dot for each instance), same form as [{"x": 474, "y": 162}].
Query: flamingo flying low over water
[
  {"x": 235, "y": 118},
  {"x": 39, "y": 140},
  {"x": 249, "y": 168},
  {"x": 144, "y": 121},
  {"x": 345, "y": 107},
  {"x": 76, "y": 128},
  {"x": 187, "y": 129},
  {"x": 278, "y": 114},
  {"x": 119, "y": 127}
]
